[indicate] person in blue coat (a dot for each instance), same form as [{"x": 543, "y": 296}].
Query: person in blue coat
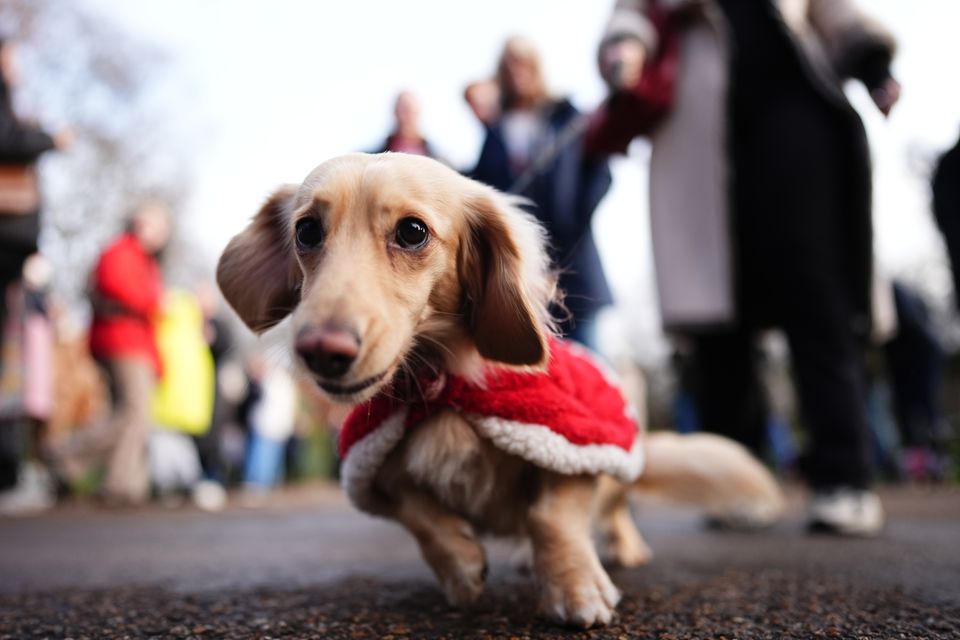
[{"x": 533, "y": 149}]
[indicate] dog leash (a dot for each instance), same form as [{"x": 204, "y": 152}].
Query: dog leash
[{"x": 570, "y": 132}]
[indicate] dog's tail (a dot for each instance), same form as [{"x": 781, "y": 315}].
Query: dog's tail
[{"x": 714, "y": 473}]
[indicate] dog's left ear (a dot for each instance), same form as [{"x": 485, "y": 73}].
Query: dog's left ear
[
  {"x": 257, "y": 273},
  {"x": 506, "y": 287}
]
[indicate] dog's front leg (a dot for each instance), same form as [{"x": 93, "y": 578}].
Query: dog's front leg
[
  {"x": 448, "y": 544},
  {"x": 574, "y": 587}
]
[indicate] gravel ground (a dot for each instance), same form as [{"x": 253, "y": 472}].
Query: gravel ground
[
  {"x": 309, "y": 567},
  {"x": 735, "y": 604}
]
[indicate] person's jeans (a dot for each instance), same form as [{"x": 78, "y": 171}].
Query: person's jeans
[{"x": 264, "y": 465}]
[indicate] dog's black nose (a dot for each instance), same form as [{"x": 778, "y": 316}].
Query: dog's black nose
[{"x": 327, "y": 351}]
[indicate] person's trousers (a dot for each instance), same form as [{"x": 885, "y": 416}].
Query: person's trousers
[
  {"x": 132, "y": 382},
  {"x": 800, "y": 238},
  {"x": 828, "y": 371},
  {"x": 916, "y": 362}
]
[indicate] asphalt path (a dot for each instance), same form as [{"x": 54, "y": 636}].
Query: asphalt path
[{"x": 308, "y": 566}]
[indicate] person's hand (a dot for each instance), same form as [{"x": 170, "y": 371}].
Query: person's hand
[
  {"x": 484, "y": 100},
  {"x": 621, "y": 63},
  {"x": 63, "y": 139},
  {"x": 885, "y": 95}
]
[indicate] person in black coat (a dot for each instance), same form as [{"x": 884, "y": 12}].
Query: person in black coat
[
  {"x": 946, "y": 209},
  {"x": 533, "y": 149},
  {"x": 761, "y": 215},
  {"x": 20, "y": 144}
]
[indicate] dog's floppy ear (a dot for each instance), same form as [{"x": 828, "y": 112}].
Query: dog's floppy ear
[
  {"x": 258, "y": 273},
  {"x": 506, "y": 285}
]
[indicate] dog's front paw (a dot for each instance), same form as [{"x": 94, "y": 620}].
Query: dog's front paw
[
  {"x": 463, "y": 583},
  {"x": 581, "y": 601}
]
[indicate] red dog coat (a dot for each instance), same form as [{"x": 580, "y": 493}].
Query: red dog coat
[{"x": 571, "y": 419}]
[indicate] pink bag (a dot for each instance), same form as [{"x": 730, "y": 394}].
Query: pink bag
[{"x": 38, "y": 366}]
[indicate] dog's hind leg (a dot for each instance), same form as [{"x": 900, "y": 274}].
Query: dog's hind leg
[
  {"x": 575, "y": 589},
  {"x": 448, "y": 544},
  {"x": 625, "y": 546}
]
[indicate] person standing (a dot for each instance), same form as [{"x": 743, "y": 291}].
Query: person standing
[
  {"x": 270, "y": 414},
  {"x": 406, "y": 136},
  {"x": 761, "y": 214},
  {"x": 946, "y": 209},
  {"x": 21, "y": 145},
  {"x": 529, "y": 150},
  {"x": 183, "y": 401},
  {"x": 126, "y": 294}
]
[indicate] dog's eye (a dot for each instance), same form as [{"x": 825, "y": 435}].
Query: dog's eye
[
  {"x": 412, "y": 233},
  {"x": 309, "y": 234}
]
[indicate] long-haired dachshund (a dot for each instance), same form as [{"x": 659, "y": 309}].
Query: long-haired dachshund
[{"x": 424, "y": 298}]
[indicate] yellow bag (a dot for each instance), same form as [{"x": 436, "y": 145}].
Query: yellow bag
[{"x": 183, "y": 400}]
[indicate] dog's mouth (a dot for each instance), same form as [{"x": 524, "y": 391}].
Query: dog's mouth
[{"x": 349, "y": 391}]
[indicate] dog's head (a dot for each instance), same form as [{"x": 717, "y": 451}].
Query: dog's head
[{"x": 390, "y": 262}]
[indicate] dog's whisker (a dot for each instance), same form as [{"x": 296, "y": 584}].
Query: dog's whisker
[
  {"x": 415, "y": 379},
  {"x": 436, "y": 343},
  {"x": 434, "y": 367}
]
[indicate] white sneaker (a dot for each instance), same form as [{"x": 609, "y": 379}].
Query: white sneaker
[
  {"x": 209, "y": 495},
  {"x": 846, "y": 511},
  {"x": 34, "y": 492}
]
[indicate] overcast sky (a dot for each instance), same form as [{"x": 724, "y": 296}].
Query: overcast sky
[{"x": 287, "y": 84}]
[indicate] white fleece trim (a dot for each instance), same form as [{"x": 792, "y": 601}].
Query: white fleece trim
[
  {"x": 367, "y": 454},
  {"x": 546, "y": 448}
]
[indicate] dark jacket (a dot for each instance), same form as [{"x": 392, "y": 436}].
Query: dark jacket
[
  {"x": 20, "y": 144},
  {"x": 946, "y": 208},
  {"x": 565, "y": 196}
]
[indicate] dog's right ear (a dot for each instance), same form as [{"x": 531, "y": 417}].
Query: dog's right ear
[
  {"x": 506, "y": 283},
  {"x": 258, "y": 273}
]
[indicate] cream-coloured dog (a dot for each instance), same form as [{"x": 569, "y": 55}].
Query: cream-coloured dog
[{"x": 397, "y": 275}]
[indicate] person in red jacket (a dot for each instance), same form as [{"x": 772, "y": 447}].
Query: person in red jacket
[{"x": 125, "y": 295}]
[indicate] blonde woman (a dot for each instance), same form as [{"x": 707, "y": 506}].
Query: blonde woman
[{"x": 526, "y": 152}]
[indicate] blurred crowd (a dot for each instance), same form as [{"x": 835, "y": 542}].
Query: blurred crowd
[
  {"x": 153, "y": 399},
  {"x": 760, "y": 206}
]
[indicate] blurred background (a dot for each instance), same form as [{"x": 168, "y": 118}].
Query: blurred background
[{"x": 202, "y": 108}]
